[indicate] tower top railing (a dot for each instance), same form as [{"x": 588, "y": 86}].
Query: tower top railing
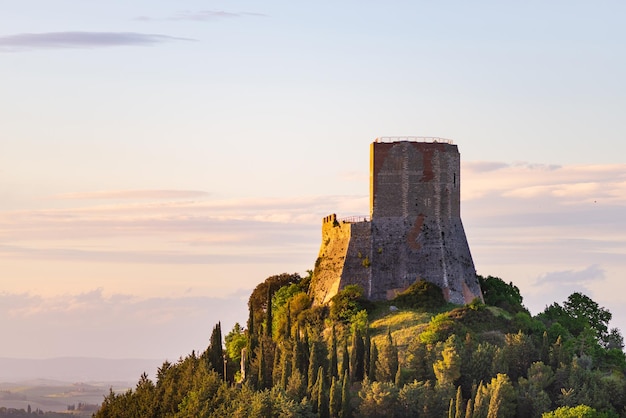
[
  {"x": 430, "y": 139},
  {"x": 354, "y": 219}
]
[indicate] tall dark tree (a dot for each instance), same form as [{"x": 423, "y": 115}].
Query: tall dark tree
[
  {"x": 387, "y": 366},
  {"x": 345, "y": 359},
  {"x": 371, "y": 373},
  {"x": 268, "y": 313},
  {"x": 215, "y": 352},
  {"x": 367, "y": 355},
  {"x": 317, "y": 359},
  {"x": 288, "y": 321},
  {"x": 357, "y": 355},
  {"x": 261, "y": 369},
  {"x": 334, "y": 401},
  {"x": 322, "y": 395},
  {"x": 333, "y": 370},
  {"x": 346, "y": 409}
]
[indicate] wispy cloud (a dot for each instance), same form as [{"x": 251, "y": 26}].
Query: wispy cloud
[
  {"x": 583, "y": 277},
  {"x": 133, "y": 194},
  {"x": 203, "y": 231},
  {"x": 524, "y": 181},
  {"x": 55, "y": 40},
  {"x": 201, "y": 16}
]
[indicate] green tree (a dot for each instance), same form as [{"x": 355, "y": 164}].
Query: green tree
[
  {"x": 448, "y": 368},
  {"x": 519, "y": 352},
  {"x": 388, "y": 363},
  {"x": 215, "y": 353},
  {"x": 322, "y": 395},
  {"x": 496, "y": 292},
  {"x": 345, "y": 359},
  {"x": 235, "y": 342},
  {"x": 460, "y": 404},
  {"x": 347, "y": 303},
  {"x": 333, "y": 370},
  {"x": 580, "y": 411},
  {"x": 378, "y": 399},
  {"x": 588, "y": 313},
  {"x": 371, "y": 374},
  {"x": 502, "y": 400},
  {"x": 357, "y": 353},
  {"x": 317, "y": 359},
  {"x": 346, "y": 410},
  {"x": 334, "y": 402}
]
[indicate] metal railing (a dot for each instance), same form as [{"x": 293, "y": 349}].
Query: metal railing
[
  {"x": 354, "y": 219},
  {"x": 430, "y": 139}
]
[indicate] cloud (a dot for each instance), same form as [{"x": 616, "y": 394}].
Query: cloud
[
  {"x": 592, "y": 273},
  {"x": 53, "y": 40},
  {"x": 133, "y": 194},
  {"x": 483, "y": 166},
  {"x": 201, "y": 16},
  {"x": 191, "y": 232},
  {"x": 572, "y": 183}
]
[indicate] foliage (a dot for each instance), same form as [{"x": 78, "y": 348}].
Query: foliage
[
  {"x": 421, "y": 295},
  {"x": 472, "y": 361},
  {"x": 257, "y": 303},
  {"x": 496, "y": 292},
  {"x": 235, "y": 341},
  {"x": 580, "y": 411},
  {"x": 347, "y": 303}
]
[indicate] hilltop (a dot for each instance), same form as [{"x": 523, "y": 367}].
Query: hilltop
[{"x": 415, "y": 355}]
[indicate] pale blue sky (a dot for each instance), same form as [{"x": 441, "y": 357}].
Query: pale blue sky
[{"x": 174, "y": 154}]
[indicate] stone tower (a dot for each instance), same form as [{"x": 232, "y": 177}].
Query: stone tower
[{"x": 414, "y": 231}]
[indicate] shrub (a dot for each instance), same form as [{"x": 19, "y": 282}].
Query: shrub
[{"x": 421, "y": 295}]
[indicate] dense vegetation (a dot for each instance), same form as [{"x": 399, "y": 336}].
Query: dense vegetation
[{"x": 415, "y": 356}]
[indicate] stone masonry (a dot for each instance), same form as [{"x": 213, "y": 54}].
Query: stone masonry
[{"x": 414, "y": 231}]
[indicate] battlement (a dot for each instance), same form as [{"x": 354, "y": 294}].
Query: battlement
[{"x": 427, "y": 139}]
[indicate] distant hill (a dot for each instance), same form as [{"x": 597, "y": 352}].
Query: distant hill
[{"x": 76, "y": 369}]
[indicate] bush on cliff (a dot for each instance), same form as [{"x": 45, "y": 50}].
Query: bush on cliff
[{"x": 421, "y": 295}]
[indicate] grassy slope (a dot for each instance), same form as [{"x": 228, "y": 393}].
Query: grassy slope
[{"x": 407, "y": 324}]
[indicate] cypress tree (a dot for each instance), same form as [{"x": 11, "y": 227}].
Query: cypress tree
[
  {"x": 371, "y": 375},
  {"x": 398, "y": 378},
  {"x": 276, "y": 367},
  {"x": 288, "y": 321},
  {"x": 306, "y": 353},
  {"x": 322, "y": 399},
  {"x": 334, "y": 402},
  {"x": 316, "y": 360},
  {"x": 261, "y": 372},
  {"x": 251, "y": 344},
  {"x": 367, "y": 344},
  {"x": 215, "y": 352},
  {"x": 285, "y": 368},
  {"x": 459, "y": 404},
  {"x": 346, "y": 411},
  {"x": 297, "y": 361},
  {"x": 333, "y": 370},
  {"x": 469, "y": 408},
  {"x": 356, "y": 357},
  {"x": 388, "y": 360},
  {"x": 268, "y": 313},
  {"x": 345, "y": 359}
]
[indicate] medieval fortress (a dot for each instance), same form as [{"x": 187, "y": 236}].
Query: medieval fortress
[{"x": 414, "y": 231}]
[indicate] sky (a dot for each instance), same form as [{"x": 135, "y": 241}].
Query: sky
[{"x": 159, "y": 159}]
